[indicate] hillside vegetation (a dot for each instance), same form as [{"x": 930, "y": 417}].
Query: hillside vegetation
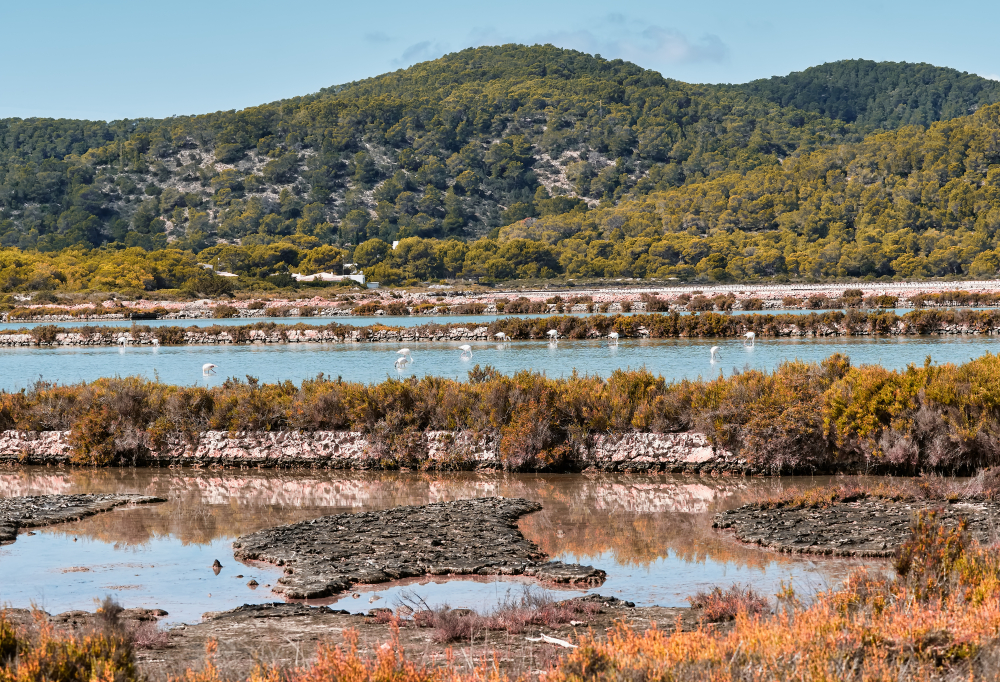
[
  {"x": 519, "y": 162},
  {"x": 879, "y": 94}
]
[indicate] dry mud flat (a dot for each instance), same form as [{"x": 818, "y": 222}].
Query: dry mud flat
[
  {"x": 863, "y": 528},
  {"x": 48, "y": 510},
  {"x": 286, "y": 636},
  {"x": 329, "y": 554}
]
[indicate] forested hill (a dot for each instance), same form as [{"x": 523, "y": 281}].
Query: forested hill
[
  {"x": 513, "y": 161},
  {"x": 450, "y": 148},
  {"x": 878, "y": 94}
]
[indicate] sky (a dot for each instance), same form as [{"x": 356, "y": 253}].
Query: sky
[{"x": 110, "y": 59}]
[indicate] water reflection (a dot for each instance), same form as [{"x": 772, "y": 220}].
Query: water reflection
[{"x": 651, "y": 534}]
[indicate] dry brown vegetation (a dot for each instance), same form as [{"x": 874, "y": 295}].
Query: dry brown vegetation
[{"x": 800, "y": 417}]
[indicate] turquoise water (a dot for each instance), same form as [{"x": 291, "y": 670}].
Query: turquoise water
[{"x": 372, "y": 362}]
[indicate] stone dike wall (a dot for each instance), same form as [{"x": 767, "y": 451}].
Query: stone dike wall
[
  {"x": 634, "y": 452},
  {"x": 128, "y": 338}
]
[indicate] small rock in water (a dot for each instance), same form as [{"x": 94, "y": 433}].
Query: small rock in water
[
  {"x": 240, "y": 575},
  {"x": 373, "y": 598},
  {"x": 356, "y": 595},
  {"x": 253, "y": 584},
  {"x": 216, "y": 564}
]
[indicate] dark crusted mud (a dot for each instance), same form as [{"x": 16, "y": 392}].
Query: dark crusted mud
[
  {"x": 48, "y": 510},
  {"x": 865, "y": 528},
  {"x": 480, "y": 536},
  {"x": 286, "y": 636}
]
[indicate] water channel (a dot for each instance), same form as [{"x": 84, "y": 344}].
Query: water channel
[
  {"x": 372, "y": 362},
  {"x": 652, "y": 534}
]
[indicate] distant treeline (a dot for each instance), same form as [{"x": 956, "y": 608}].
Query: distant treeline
[{"x": 802, "y": 417}]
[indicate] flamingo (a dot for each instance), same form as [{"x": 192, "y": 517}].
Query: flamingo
[
  {"x": 715, "y": 354},
  {"x": 207, "y": 369},
  {"x": 751, "y": 337},
  {"x": 405, "y": 352},
  {"x": 156, "y": 342},
  {"x": 501, "y": 337},
  {"x": 553, "y": 336},
  {"x": 466, "y": 351},
  {"x": 400, "y": 364},
  {"x": 613, "y": 337},
  {"x": 122, "y": 341}
]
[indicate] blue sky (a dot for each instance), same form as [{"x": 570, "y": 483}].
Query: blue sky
[{"x": 108, "y": 59}]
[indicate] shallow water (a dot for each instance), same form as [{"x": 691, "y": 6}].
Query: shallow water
[
  {"x": 652, "y": 534},
  {"x": 372, "y": 362}
]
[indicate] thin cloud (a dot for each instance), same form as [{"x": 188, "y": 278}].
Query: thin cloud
[
  {"x": 378, "y": 38},
  {"x": 990, "y": 76},
  {"x": 621, "y": 37},
  {"x": 647, "y": 45},
  {"x": 420, "y": 52}
]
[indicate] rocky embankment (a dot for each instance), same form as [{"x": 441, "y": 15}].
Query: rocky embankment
[
  {"x": 466, "y": 537},
  {"x": 47, "y": 510},
  {"x": 653, "y": 325},
  {"x": 441, "y": 450},
  {"x": 278, "y": 335},
  {"x": 865, "y": 528}
]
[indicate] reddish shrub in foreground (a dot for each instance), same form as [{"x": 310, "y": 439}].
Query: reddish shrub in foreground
[{"x": 720, "y": 605}]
